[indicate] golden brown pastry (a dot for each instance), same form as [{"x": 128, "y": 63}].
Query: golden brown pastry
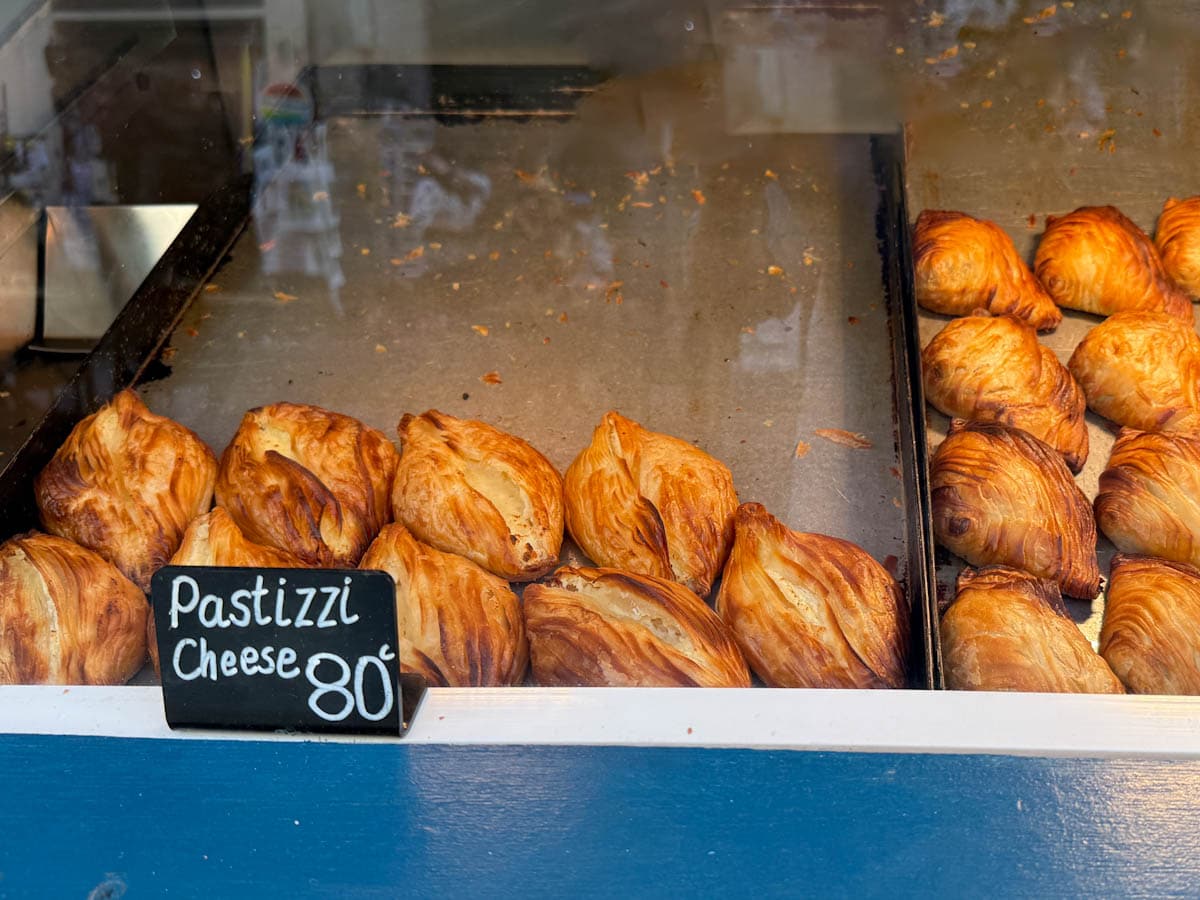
[
  {"x": 963, "y": 264},
  {"x": 1149, "y": 500},
  {"x": 1096, "y": 260},
  {"x": 471, "y": 489},
  {"x": 66, "y": 615},
  {"x": 601, "y": 627},
  {"x": 1001, "y": 496},
  {"x": 309, "y": 481},
  {"x": 1151, "y": 631},
  {"x": 650, "y": 503},
  {"x": 1141, "y": 370},
  {"x": 1009, "y": 631},
  {"x": 810, "y": 610},
  {"x": 460, "y": 626},
  {"x": 214, "y": 539},
  {"x": 994, "y": 370},
  {"x": 126, "y": 484},
  {"x": 1178, "y": 242}
]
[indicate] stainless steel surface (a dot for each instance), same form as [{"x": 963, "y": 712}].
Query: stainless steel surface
[
  {"x": 96, "y": 257},
  {"x": 723, "y": 289}
]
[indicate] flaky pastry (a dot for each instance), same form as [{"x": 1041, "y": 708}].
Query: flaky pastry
[
  {"x": 963, "y": 264},
  {"x": 1149, "y": 499},
  {"x": 67, "y": 616},
  {"x": 471, "y": 489},
  {"x": 810, "y": 610},
  {"x": 601, "y": 627},
  {"x": 994, "y": 370},
  {"x": 650, "y": 503},
  {"x": 309, "y": 481},
  {"x": 1178, "y": 242},
  {"x": 1141, "y": 370},
  {"x": 126, "y": 483},
  {"x": 460, "y": 625},
  {"x": 1009, "y": 631},
  {"x": 1151, "y": 630},
  {"x": 1001, "y": 496},
  {"x": 1096, "y": 260}
]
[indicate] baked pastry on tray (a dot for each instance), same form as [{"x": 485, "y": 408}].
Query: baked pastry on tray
[
  {"x": 460, "y": 626},
  {"x": 312, "y": 482},
  {"x": 650, "y": 503},
  {"x": 604, "y": 628},
  {"x": 963, "y": 264},
  {"x": 1151, "y": 630},
  {"x": 471, "y": 489},
  {"x": 810, "y": 610},
  {"x": 1141, "y": 370},
  {"x": 994, "y": 370},
  {"x": 1096, "y": 260},
  {"x": 1002, "y": 497},
  {"x": 1178, "y": 242},
  {"x": 126, "y": 483},
  {"x": 1149, "y": 499},
  {"x": 1009, "y": 631},
  {"x": 67, "y": 616}
]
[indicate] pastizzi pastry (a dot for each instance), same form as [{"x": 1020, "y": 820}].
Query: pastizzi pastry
[
  {"x": 214, "y": 539},
  {"x": 649, "y": 503},
  {"x": 1149, "y": 499},
  {"x": 1178, "y": 242},
  {"x": 987, "y": 369},
  {"x": 1141, "y": 370},
  {"x": 810, "y": 610},
  {"x": 963, "y": 264},
  {"x": 312, "y": 482},
  {"x": 1009, "y": 631},
  {"x": 471, "y": 489},
  {"x": 126, "y": 483},
  {"x": 1001, "y": 496},
  {"x": 67, "y": 616},
  {"x": 1096, "y": 260},
  {"x": 460, "y": 626},
  {"x": 1151, "y": 630},
  {"x": 600, "y": 627}
]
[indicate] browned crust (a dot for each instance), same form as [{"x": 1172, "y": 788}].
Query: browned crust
[
  {"x": 962, "y": 264},
  {"x": 1141, "y": 370},
  {"x": 810, "y": 610},
  {"x": 1151, "y": 630},
  {"x": 989, "y": 369},
  {"x": 1178, "y": 242},
  {"x": 125, "y": 484},
  {"x": 308, "y": 481},
  {"x": 600, "y": 627},
  {"x": 1096, "y": 260},
  {"x": 1008, "y": 630},
  {"x": 459, "y": 625},
  {"x": 67, "y": 616},
  {"x": 1002, "y": 497},
  {"x": 650, "y": 503},
  {"x": 469, "y": 488}
]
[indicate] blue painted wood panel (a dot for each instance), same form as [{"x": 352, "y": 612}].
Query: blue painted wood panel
[{"x": 224, "y": 819}]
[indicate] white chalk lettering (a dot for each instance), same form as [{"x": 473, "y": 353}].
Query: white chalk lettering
[
  {"x": 344, "y": 608},
  {"x": 228, "y": 663},
  {"x": 260, "y": 594},
  {"x": 331, "y": 596},
  {"x": 323, "y": 688},
  {"x": 212, "y": 612},
  {"x": 241, "y": 609},
  {"x": 248, "y": 660},
  {"x": 279, "y": 619},
  {"x": 287, "y": 657},
  {"x": 302, "y": 620},
  {"x": 176, "y": 606},
  {"x": 207, "y": 666}
]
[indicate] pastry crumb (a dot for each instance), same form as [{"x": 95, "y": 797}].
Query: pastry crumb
[
  {"x": 416, "y": 252},
  {"x": 769, "y": 174},
  {"x": 563, "y": 318},
  {"x": 698, "y": 196},
  {"x": 192, "y": 332},
  {"x": 454, "y": 285},
  {"x": 480, "y": 330},
  {"x": 401, "y": 220},
  {"x": 774, "y": 270},
  {"x": 212, "y": 288},
  {"x": 365, "y": 251},
  {"x": 380, "y": 348},
  {"x": 285, "y": 298},
  {"x": 802, "y": 449},
  {"x": 396, "y": 261},
  {"x": 851, "y": 439},
  {"x": 491, "y": 378},
  {"x": 494, "y": 255}
]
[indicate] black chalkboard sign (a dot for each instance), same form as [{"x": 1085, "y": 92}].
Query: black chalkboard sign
[{"x": 279, "y": 649}]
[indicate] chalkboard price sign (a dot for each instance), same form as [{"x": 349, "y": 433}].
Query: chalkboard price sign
[{"x": 278, "y": 649}]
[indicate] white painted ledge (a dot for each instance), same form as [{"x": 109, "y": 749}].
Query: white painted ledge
[{"x": 873, "y": 721}]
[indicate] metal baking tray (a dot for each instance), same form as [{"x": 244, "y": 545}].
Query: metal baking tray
[{"x": 745, "y": 292}]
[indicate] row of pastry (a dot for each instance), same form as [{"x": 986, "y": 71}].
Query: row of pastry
[
  {"x": 1003, "y": 493},
  {"x": 455, "y": 515}
]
